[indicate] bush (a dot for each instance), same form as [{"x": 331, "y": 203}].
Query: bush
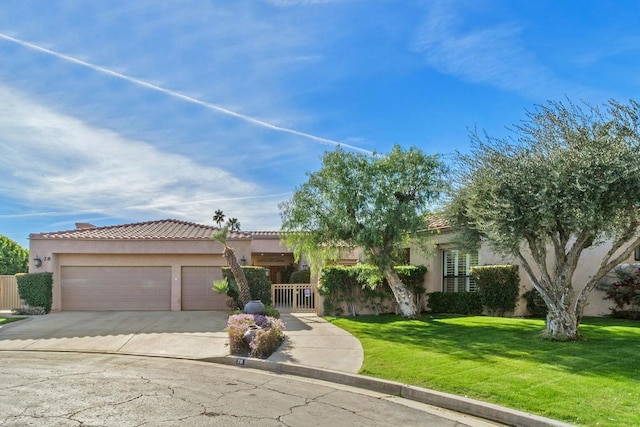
[
  {"x": 625, "y": 292},
  {"x": 259, "y": 283},
  {"x": 455, "y": 302},
  {"x": 535, "y": 304},
  {"x": 364, "y": 285},
  {"x": 267, "y": 337},
  {"x": 498, "y": 287},
  {"x": 300, "y": 276},
  {"x": 36, "y": 289}
]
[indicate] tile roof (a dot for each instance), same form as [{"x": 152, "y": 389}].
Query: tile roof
[
  {"x": 436, "y": 223},
  {"x": 159, "y": 230}
]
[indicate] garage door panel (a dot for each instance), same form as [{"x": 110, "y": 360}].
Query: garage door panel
[
  {"x": 196, "y": 289},
  {"x": 116, "y": 288}
]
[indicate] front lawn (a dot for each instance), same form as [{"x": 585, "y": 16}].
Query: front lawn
[
  {"x": 5, "y": 320},
  {"x": 595, "y": 381}
]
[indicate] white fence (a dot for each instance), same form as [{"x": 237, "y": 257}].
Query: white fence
[
  {"x": 295, "y": 297},
  {"x": 9, "y": 298}
]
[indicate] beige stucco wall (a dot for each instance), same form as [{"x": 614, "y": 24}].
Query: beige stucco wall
[
  {"x": 587, "y": 266},
  {"x": 96, "y": 253}
]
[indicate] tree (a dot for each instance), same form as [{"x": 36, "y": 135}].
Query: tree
[
  {"x": 373, "y": 202},
  {"x": 220, "y": 236},
  {"x": 13, "y": 257},
  {"x": 566, "y": 180},
  {"x": 233, "y": 224},
  {"x": 218, "y": 217}
]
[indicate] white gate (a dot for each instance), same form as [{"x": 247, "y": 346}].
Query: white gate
[{"x": 295, "y": 297}]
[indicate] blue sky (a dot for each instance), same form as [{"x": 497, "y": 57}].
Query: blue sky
[{"x": 124, "y": 111}]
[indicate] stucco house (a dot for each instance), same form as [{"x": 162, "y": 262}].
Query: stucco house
[
  {"x": 155, "y": 265},
  {"x": 170, "y": 265}
]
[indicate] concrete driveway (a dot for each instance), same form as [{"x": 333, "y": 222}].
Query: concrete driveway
[{"x": 180, "y": 334}]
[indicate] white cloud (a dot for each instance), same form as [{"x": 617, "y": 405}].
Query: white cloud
[
  {"x": 493, "y": 55},
  {"x": 59, "y": 163}
]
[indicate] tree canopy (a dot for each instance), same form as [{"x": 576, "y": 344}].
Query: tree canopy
[
  {"x": 373, "y": 202},
  {"x": 567, "y": 178},
  {"x": 13, "y": 257}
]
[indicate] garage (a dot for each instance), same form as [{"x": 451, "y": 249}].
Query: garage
[
  {"x": 115, "y": 288},
  {"x": 196, "y": 289}
]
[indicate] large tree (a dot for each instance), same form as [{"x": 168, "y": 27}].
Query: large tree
[
  {"x": 565, "y": 180},
  {"x": 373, "y": 202},
  {"x": 13, "y": 257}
]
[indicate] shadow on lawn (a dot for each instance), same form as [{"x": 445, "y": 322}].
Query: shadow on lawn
[{"x": 609, "y": 346}]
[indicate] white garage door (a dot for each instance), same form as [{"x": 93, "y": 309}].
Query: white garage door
[
  {"x": 196, "y": 289},
  {"x": 116, "y": 288}
]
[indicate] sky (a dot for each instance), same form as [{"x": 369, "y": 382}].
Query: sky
[{"x": 121, "y": 111}]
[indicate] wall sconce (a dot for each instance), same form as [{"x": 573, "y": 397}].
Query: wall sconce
[
  {"x": 305, "y": 266},
  {"x": 37, "y": 261},
  {"x": 243, "y": 260}
]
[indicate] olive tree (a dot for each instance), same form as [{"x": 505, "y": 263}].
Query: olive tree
[
  {"x": 372, "y": 202},
  {"x": 565, "y": 180},
  {"x": 13, "y": 257}
]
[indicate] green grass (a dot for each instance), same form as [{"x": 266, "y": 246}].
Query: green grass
[
  {"x": 594, "y": 382},
  {"x": 4, "y": 320}
]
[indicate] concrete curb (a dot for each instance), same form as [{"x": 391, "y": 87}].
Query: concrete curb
[{"x": 452, "y": 402}]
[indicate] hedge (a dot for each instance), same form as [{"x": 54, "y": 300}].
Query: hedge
[
  {"x": 300, "y": 276},
  {"x": 498, "y": 287},
  {"x": 455, "y": 302},
  {"x": 36, "y": 289},
  {"x": 259, "y": 283},
  {"x": 364, "y": 285}
]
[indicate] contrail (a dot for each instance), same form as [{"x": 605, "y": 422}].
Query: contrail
[{"x": 181, "y": 96}]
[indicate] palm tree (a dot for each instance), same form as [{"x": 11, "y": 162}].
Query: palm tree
[
  {"x": 218, "y": 217},
  {"x": 233, "y": 224},
  {"x": 228, "y": 253}
]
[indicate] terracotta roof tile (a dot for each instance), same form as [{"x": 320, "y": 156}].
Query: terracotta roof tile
[
  {"x": 161, "y": 230},
  {"x": 436, "y": 222}
]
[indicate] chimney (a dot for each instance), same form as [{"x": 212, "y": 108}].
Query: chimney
[{"x": 84, "y": 226}]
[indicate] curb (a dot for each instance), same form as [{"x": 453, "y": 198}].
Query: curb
[{"x": 452, "y": 402}]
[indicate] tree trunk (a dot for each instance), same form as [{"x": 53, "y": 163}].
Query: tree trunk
[
  {"x": 562, "y": 323},
  {"x": 403, "y": 296},
  {"x": 238, "y": 275}
]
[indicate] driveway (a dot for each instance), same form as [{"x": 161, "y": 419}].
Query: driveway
[{"x": 180, "y": 334}]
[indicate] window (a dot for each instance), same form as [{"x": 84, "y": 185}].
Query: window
[
  {"x": 456, "y": 269},
  {"x": 636, "y": 254}
]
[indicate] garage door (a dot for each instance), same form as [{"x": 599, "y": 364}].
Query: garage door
[
  {"x": 116, "y": 288},
  {"x": 196, "y": 289}
]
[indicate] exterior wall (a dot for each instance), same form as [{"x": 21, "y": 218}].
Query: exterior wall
[
  {"x": 171, "y": 253},
  {"x": 587, "y": 266}
]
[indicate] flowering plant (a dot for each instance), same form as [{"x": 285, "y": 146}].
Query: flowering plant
[{"x": 267, "y": 335}]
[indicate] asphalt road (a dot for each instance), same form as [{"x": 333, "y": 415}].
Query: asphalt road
[{"x": 74, "y": 389}]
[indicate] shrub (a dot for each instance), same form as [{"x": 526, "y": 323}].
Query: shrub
[
  {"x": 300, "y": 276},
  {"x": 455, "y": 302},
  {"x": 259, "y": 283},
  {"x": 498, "y": 287},
  {"x": 535, "y": 304},
  {"x": 364, "y": 285},
  {"x": 268, "y": 334},
  {"x": 36, "y": 289},
  {"x": 624, "y": 292}
]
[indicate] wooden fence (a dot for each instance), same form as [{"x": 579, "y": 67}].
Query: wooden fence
[
  {"x": 295, "y": 297},
  {"x": 9, "y": 298}
]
